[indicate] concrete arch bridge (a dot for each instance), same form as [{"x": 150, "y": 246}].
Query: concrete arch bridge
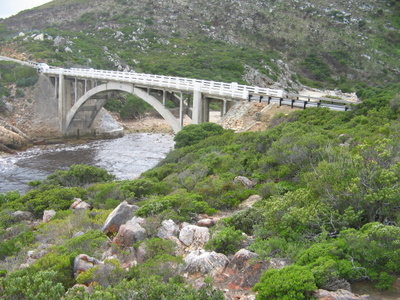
[{"x": 81, "y": 93}]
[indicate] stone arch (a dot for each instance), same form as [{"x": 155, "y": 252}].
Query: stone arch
[{"x": 113, "y": 86}]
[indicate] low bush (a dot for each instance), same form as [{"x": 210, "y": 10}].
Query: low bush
[
  {"x": 79, "y": 175},
  {"x": 289, "y": 283},
  {"x": 225, "y": 240}
]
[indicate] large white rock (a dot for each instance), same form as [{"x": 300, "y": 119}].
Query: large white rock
[
  {"x": 201, "y": 261},
  {"x": 48, "y": 215},
  {"x": 169, "y": 228},
  {"x": 194, "y": 236}
]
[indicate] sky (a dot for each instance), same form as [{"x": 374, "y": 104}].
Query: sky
[{"x": 12, "y": 7}]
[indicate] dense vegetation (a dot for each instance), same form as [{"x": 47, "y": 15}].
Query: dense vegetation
[
  {"x": 329, "y": 183},
  {"x": 325, "y": 44},
  {"x": 22, "y": 76}
]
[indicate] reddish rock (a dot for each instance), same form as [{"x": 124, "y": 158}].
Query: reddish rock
[
  {"x": 79, "y": 204},
  {"x": 246, "y": 182},
  {"x": 84, "y": 262},
  {"x": 129, "y": 234},
  {"x": 206, "y": 222}
]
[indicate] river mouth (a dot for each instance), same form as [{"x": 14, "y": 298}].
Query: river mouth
[{"x": 125, "y": 157}]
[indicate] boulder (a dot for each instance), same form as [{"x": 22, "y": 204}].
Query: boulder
[
  {"x": 59, "y": 41},
  {"x": 129, "y": 234},
  {"x": 79, "y": 204},
  {"x": 141, "y": 253},
  {"x": 84, "y": 262},
  {"x": 169, "y": 228},
  {"x": 20, "y": 215},
  {"x": 48, "y": 215},
  {"x": 194, "y": 236},
  {"x": 246, "y": 182},
  {"x": 338, "y": 295},
  {"x": 12, "y": 139},
  {"x": 39, "y": 37},
  {"x": 203, "y": 262},
  {"x": 206, "y": 222},
  {"x": 120, "y": 215},
  {"x": 249, "y": 202}
]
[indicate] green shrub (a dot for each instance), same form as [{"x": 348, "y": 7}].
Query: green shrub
[
  {"x": 133, "y": 107},
  {"x": 61, "y": 266},
  {"x": 89, "y": 243},
  {"x": 163, "y": 266},
  {"x": 289, "y": 283},
  {"x": 108, "y": 274},
  {"x": 226, "y": 240},
  {"x": 246, "y": 220},
  {"x": 49, "y": 197},
  {"x": 24, "y": 82},
  {"x": 180, "y": 206},
  {"x": 13, "y": 245},
  {"x": 158, "y": 247},
  {"x": 192, "y": 134},
  {"x": 40, "y": 285},
  {"x": 79, "y": 175}
]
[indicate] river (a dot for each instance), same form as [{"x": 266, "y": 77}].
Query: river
[{"x": 126, "y": 158}]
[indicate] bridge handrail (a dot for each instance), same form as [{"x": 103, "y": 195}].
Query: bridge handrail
[{"x": 234, "y": 90}]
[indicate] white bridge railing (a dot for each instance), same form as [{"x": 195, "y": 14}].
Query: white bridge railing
[{"x": 232, "y": 90}]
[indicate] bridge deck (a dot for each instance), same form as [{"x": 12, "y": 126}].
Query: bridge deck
[{"x": 216, "y": 89}]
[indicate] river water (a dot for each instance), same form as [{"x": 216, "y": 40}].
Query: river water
[{"x": 126, "y": 157}]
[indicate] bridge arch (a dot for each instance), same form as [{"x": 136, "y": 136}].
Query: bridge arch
[{"x": 123, "y": 87}]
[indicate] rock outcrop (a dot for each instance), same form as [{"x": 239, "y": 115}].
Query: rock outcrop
[
  {"x": 206, "y": 263},
  {"x": 194, "y": 237},
  {"x": 120, "y": 215},
  {"x": 84, "y": 262},
  {"x": 169, "y": 228},
  {"x": 48, "y": 215},
  {"x": 130, "y": 233},
  {"x": 79, "y": 204}
]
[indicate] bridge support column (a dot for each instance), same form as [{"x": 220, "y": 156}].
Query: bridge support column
[
  {"x": 64, "y": 101},
  {"x": 181, "y": 111},
  {"x": 206, "y": 110},
  {"x": 61, "y": 109},
  {"x": 197, "y": 115}
]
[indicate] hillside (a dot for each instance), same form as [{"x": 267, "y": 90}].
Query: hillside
[
  {"x": 318, "y": 43},
  {"x": 281, "y": 204}
]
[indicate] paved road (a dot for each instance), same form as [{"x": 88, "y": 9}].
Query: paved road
[{"x": 26, "y": 63}]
